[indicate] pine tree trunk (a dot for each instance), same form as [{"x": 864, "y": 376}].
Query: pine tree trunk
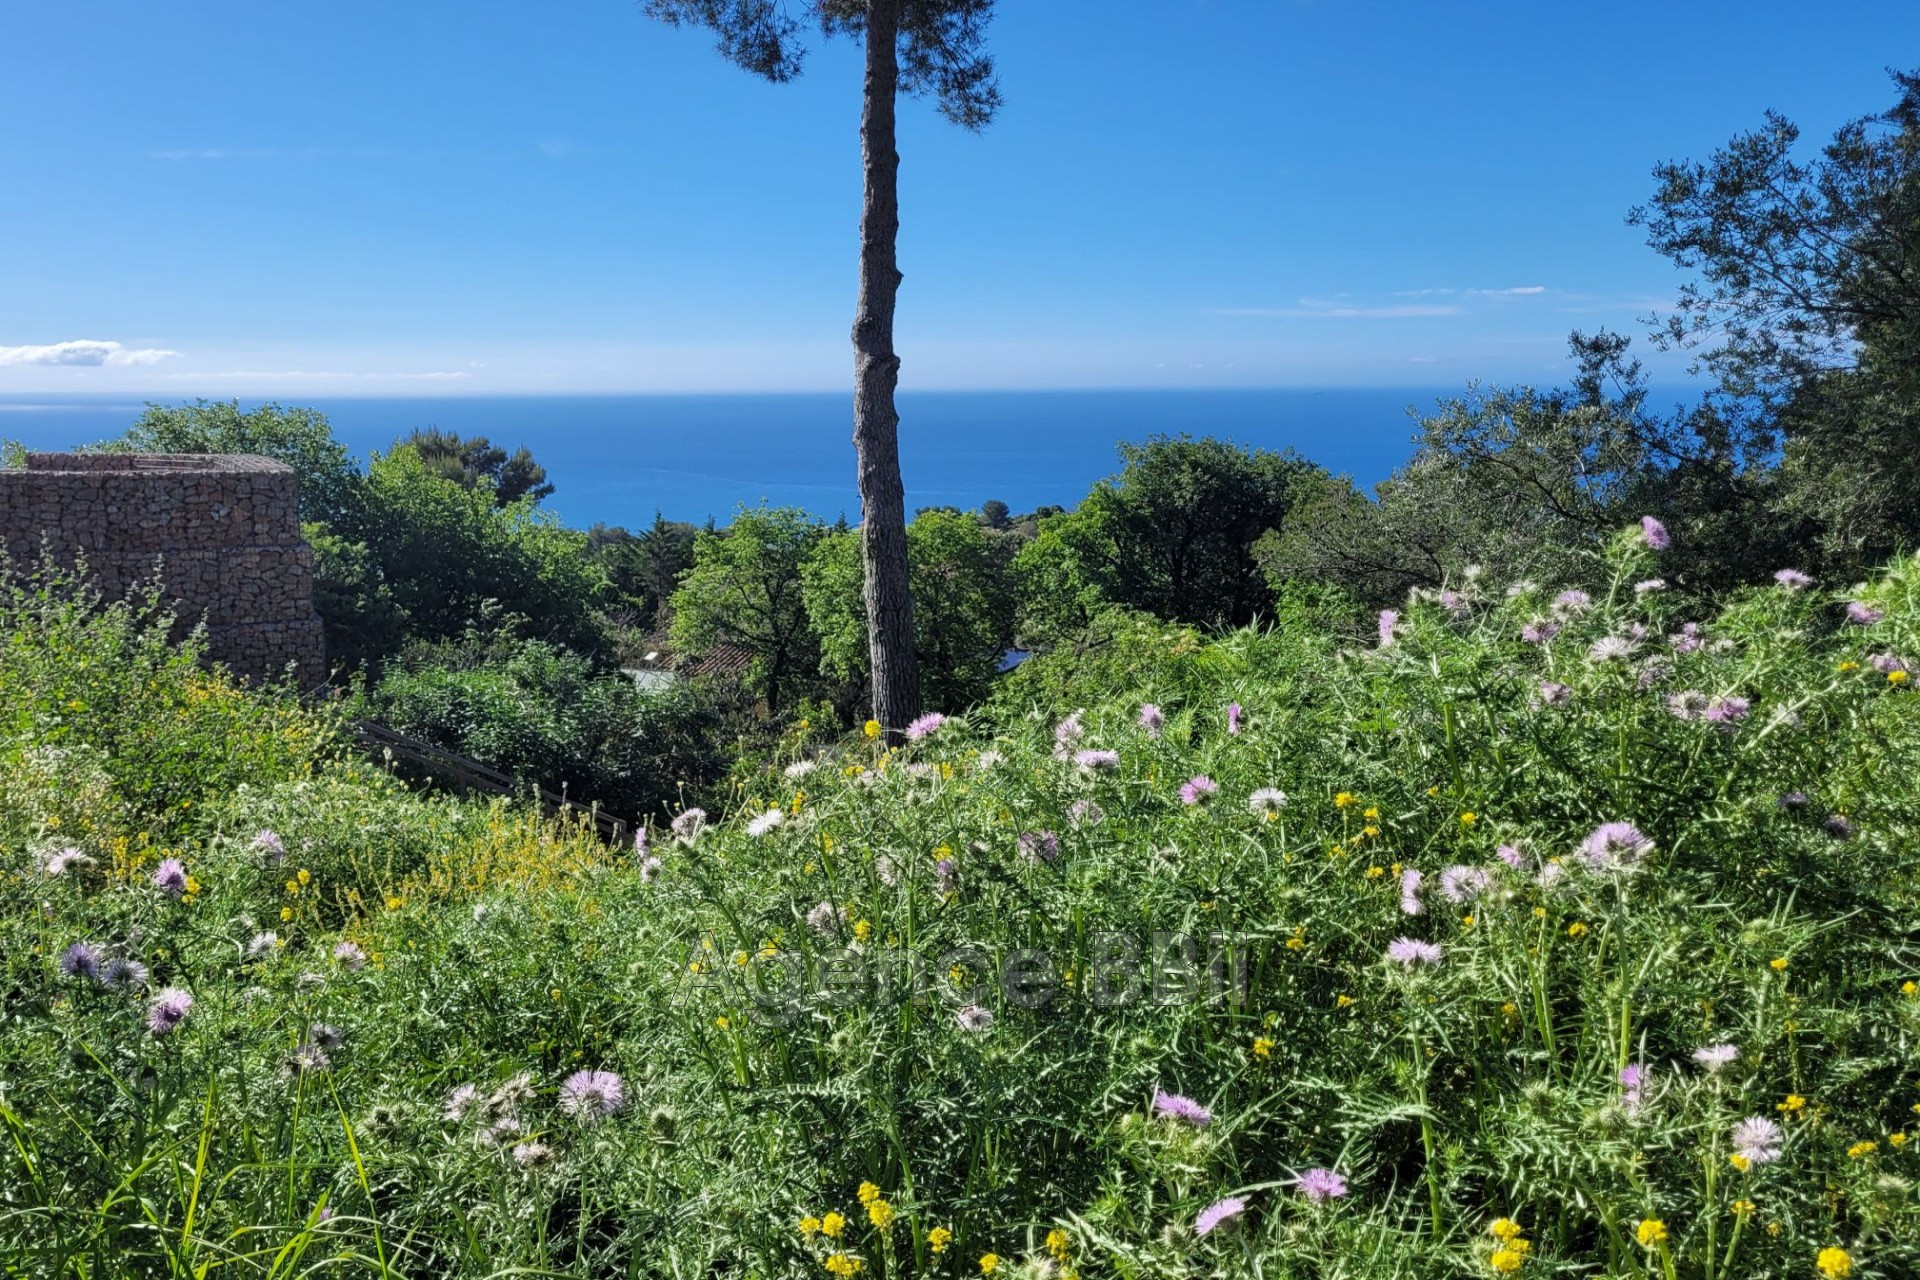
[{"x": 876, "y": 423}]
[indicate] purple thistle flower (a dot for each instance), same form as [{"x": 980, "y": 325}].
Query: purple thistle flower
[
  {"x": 1197, "y": 788},
  {"x": 1860, "y": 613},
  {"x": 1321, "y": 1185},
  {"x": 1085, "y": 813},
  {"x": 171, "y": 877},
  {"x": 1453, "y": 602},
  {"x": 974, "y": 1018},
  {"x": 1654, "y": 533},
  {"x": 1511, "y": 856},
  {"x": 1097, "y": 759},
  {"x": 1615, "y": 846},
  {"x": 326, "y": 1035},
  {"x": 1410, "y": 903},
  {"x": 349, "y": 956},
  {"x": 1067, "y": 735},
  {"x": 1389, "y": 621},
  {"x": 1727, "y": 711},
  {"x": 262, "y": 944},
  {"x": 81, "y": 960},
  {"x": 1610, "y": 649},
  {"x": 1633, "y": 1078},
  {"x": 1412, "y": 951},
  {"x": 1837, "y": 826},
  {"x": 925, "y": 725},
  {"x": 60, "y": 863},
  {"x": 1217, "y": 1214},
  {"x": 168, "y": 1010},
  {"x": 946, "y": 875},
  {"x": 1174, "y": 1106},
  {"x": 1573, "y": 601},
  {"x": 122, "y": 974},
  {"x": 1757, "y": 1140},
  {"x": 1539, "y": 631},
  {"x": 1039, "y": 846},
  {"x": 532, "y": 1155},
  {"x": 1794, "y": 800},
  {"x": 1463, "y": 884},
  {"x": 1687, "y": 639},
  {"x": 1151, "y": 719},
  {"x": 642, "y": 841},
  {"x": 1715, "y": 1056},
  {"x": 1688, "y": 704},
  {"x": 270, "y": 844},
  {"x": 1555, "y": 694},
  {"x": 589, "y": 1096},
  {"x": 650, "y": 869},
  {"x": 1793, "y": 579},
  {"x": 462, "y": 1100},
  {"x": 308, "y": 1059},
  {"x": 824, "y": 918},
  {"x": 688, "y": 825},
  {"x": 1887, "y": 663},
  {"x": 1234, "y": 712}
]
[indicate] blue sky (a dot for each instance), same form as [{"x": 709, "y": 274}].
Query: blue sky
[{"x": 489, "y": 197}]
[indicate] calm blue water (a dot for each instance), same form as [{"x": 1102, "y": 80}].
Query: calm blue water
[{"x": 618, "y": 459}]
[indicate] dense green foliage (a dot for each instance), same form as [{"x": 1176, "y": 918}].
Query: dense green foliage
[
  {"x": 478, "y": 461},
  {"x": 306, "y": 1110},
  {"x": 301, "y": 438},
  {"x": 549, "y": 716}
]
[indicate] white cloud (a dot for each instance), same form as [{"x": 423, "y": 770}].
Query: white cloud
[
  {"x": 1518, "y": 291},
  {"x": 310, "y": 375},
  {"x": 1321, "y": 309},
  {"x": 86, "y": 352}
]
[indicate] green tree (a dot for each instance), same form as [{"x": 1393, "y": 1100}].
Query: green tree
[
  {"x": 920, "y": 47},
  {"x": 1807, "y": 302},
  {"x": 964, "y": 621},
  {"x": 478, "y": 460},
  {"x": 446, "y": 556},
  {"x": 301, "y": 438},
  {"x": 744, "y": 590},
  {"x": 1171, "y": 534}
]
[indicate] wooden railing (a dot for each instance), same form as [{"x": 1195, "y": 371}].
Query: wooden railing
[{"x": 469, "y": 775}]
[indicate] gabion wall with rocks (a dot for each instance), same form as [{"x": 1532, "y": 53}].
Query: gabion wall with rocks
[{"x": 220, "y": 533}]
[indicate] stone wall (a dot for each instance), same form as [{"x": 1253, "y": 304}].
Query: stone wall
[{"x": 221, "y": 533}]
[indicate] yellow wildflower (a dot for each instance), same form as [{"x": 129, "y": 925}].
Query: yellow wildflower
[
  {"x": 304, "y": 876},
  {"x": 871, "y": 728},
  {"x": 938, "y": 1239},
  {"x": 1263, "y": 1048},
  {"x": 841, "y": 1264},
  {"x": 1374, "y": 873},
  {"x": 1345, "y": 800},
  {"x": 1505, "y": 1229},
  {"x": 868, "y": 1193},
  {"x": 1909, "y": 988},
  {"x": 286, "y": 913},
  {"x": 1510, "y": 1009},
  {"x": 809, "y": 1226},
  {"x": 394, "y": 903},
  {"x": 1368, "y": 830},
  {"x": 740, "y": 958},
  {"x": 989, "y": 1263},
  {"x": 833, "y": 1224},
  {"x": 1834, "y": 1263},
  {"x": 1468, "y": 818},
  {"x": 862, "y": 929},
  {"x": 880, "y": 1214},
  {"x": 1296, "y": 944},
  {"x": 1342, "y": 1001},
  {"x": 1861, "y": 1150},
  {"x": 1778, "y": 964},
  {"x": 1466, "y": 922},
  {"x": 1740, "y": 1162},
  {"x": 1848, "y": 666},
  {"x": 293, "y": 886},
  {"x": 1370, "y": 813},
  {"x": 1742, "y": 1208},
  {"x": 723, "y": 1022},
  {"x": 1057, "y": 1243},
  {"x": 1896, "y": 677},
  {"x": 1507, "y": 1261},
  {"x": 1651, "y": 1232},
  {"x": 1794, "y": 1102},
  {"x": 1896, "y": 1139},
  {"x": 1575, "y": 929}
]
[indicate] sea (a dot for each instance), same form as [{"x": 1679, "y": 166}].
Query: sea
[{"x": 619, "y": 460}]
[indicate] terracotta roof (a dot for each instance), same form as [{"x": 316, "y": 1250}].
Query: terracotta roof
[{"x": 721, "y": 660}]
